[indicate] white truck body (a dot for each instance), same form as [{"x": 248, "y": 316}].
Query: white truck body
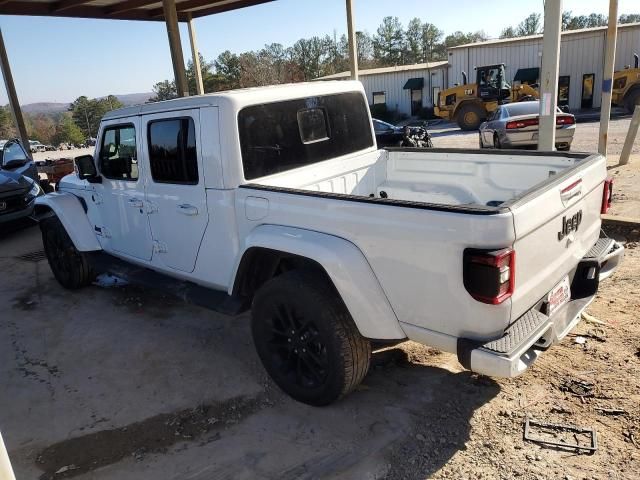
[{"x": 390, "y": 228}]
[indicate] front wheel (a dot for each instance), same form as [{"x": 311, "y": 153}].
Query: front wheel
[
  {"x": 70, "y": 267},
  {"x": 470, "y": 116},
  {"x": 306, "y": 338},
  {"x": 631, "y": 100}
]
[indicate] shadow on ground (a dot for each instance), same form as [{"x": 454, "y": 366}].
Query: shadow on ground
[{"x": 432, "y": 408}]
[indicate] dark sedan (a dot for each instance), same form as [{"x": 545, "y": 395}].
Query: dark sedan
[{"x": 387, "y": 135}]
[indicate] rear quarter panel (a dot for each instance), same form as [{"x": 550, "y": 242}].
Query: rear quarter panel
[{"x": 415, "y": 253}]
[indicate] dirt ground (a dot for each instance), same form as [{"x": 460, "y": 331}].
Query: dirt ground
[{"x": 126, "y": 383}]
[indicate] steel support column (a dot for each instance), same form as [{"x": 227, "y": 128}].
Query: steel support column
[
  {"x": 6, "y": 472},
  {"x": 195, "y": 55},
  {"x": 353, "y": 44},
  {"x": 549, "y": 76},
  {"x": 16, "y": 111},
  {"x": 173, "y": 32},
  {"x": 607, "y": 77}
]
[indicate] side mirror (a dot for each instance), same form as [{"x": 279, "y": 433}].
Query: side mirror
[{"x": 86, "y": 169}]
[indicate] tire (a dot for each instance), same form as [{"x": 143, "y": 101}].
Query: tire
[
  {"x": 70, "y": 267},
  {"x": 631, "y": 100},
  {"x": 300, "y": 311},
  {"x": 496, "y": 142},
  {"x": 470, "y": 117}
]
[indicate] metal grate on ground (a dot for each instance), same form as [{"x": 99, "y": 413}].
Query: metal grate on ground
[{"x": 34, "y": 257}]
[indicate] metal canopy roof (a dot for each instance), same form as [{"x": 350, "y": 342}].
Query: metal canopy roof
[{"x": 120, "y": 9}]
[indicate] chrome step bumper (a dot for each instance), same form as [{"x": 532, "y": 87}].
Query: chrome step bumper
[{"x": 525, "y": 339}]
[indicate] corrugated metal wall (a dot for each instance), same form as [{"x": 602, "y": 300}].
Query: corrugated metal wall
[
  {"x": 580, "y": 54},
  {"x": 392, "y": 83}
]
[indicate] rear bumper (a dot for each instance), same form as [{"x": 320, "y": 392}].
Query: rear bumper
[
  {"x": 564, "y": 137},
  {"x": 534, "y": 332}
]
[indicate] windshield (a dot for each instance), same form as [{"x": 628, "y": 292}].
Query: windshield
[
  {"x": 524, "y": 108},
  {"x": 381, "y": 126}
]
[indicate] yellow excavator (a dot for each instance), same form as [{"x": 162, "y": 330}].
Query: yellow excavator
[
  {"x": 469, "y": 104},
  {"x": 626, "y": 87}
]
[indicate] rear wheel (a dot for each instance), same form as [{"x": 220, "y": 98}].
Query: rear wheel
[
  {"x": 470, "y": 116},
  {"x": 306, "y": 339},
  {"x": 631, "y": 100},
  {"x": 69, "y": 266}
]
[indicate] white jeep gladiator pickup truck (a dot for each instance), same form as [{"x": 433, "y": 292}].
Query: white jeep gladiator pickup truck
[{"x": 278, "y": 200}]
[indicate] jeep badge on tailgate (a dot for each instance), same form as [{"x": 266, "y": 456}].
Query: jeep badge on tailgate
[{"x": 570, "y": 225}]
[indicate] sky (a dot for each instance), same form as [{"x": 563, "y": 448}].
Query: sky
[{"x": 57, "y": 60}]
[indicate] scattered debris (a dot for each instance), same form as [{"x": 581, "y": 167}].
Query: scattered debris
[
  {"x": 592, "y": 319},
  {"x": 560, "y": 409},
  {"x": 630, "y": 437},
  {"x": 580, "y": 340},
  {"x": 66, "y": 468},
  {"x": 551, "y": 431},
  {"x": 579, "y": 388},
  {"x": 611, "y": 411},
  {"x": 107, "y": 280}
]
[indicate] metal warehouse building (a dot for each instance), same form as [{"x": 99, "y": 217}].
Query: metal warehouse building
[
  {"x": 581, "y": 61},
  {"x": 405, "y": 88}
]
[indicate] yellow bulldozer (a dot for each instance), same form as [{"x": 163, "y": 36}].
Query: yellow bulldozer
[
  {"x": 470, "y": 103},
  {"x": 626, "y": 87}
]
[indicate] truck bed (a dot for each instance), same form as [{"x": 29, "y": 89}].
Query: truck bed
[{"x": 478, "y": 180}]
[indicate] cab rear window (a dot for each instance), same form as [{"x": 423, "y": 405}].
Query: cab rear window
[{"x": 276, "y": 137}]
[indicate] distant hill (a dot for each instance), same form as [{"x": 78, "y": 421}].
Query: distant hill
[
  {"x": 134, "y": 98},
  {"x": 52, "y": 107},
  {"x": 45, "y": 107}
]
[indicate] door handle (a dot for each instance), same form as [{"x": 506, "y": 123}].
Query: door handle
[
  {"x": 135, "y": 203},
  {"x": 187, "y": 209}
]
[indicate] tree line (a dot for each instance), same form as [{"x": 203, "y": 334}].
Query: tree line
[
  {"x": 74, "y": 126},
  {"x": 310, "y": 58},
  {"x": 391, "y": 44}
]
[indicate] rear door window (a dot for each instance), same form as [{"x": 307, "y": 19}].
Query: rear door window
[
  {"x": 281, "y": 136},
  {"x": 172, "y": 151}
]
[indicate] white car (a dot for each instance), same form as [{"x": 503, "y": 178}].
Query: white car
[
  {"x": 277, "y": 200},
  {"x": 36, "y": 146},
  {"x": 515, "y": 125}
]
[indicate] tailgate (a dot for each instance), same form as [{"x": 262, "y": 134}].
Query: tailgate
[{"x": 555, "y": 226}]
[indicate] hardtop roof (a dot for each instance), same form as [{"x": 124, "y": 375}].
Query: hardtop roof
[{"x": 241, "y": 97}]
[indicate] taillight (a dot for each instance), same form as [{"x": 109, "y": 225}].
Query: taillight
[
  {"x": 530, "y": 122},
  {"x": 607, "y": 195},
  {"x": 565, "y": 120},
  {"x": 489, "y": 275}
]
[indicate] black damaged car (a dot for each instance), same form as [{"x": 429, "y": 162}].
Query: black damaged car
[{"x": 19, "y": 184}]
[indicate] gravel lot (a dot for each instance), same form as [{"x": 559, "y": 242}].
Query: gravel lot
[{"x": 126, "y": 383}]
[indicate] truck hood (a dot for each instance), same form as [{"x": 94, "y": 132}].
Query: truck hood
[{"x": 13, "y": 182}]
